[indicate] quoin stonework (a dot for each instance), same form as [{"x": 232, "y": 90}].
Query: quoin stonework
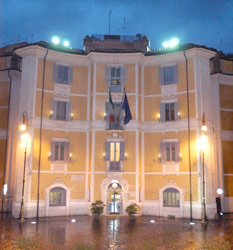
[{"x": 80, "y": 147}]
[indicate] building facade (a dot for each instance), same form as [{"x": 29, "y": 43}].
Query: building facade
[{"x": 79, "y": 144}]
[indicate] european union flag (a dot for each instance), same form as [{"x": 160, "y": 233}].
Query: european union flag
[{"x": 125, "y": 106}]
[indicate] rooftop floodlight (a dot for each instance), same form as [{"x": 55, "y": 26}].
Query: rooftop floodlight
[
  {"x": 173, "y": 42},
  {"x": 66, "y": 43},
  {"x": 165, "y": 45},
  {"x": 56, "y": 40}
]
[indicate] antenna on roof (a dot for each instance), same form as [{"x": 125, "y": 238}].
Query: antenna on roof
[
  {"x": 123, "y": 27},
  {"x": 109, "y": 21}
]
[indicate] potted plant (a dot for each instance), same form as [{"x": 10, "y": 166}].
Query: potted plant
[
  {"x": 132, "y": 209},
  {"x": 97, "y": 208}
]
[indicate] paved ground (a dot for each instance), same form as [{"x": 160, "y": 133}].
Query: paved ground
[{"x": 139, "y": 234}]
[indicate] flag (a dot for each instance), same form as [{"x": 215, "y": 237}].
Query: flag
[
  {"x": 110, "y": 100},
  {"x": 125, "y": 106}
]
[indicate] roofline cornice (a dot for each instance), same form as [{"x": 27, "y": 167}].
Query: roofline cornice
[{"x": 53, "y": 55}]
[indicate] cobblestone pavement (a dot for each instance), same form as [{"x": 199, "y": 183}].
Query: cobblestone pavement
[{"x": 145, "y": 232}]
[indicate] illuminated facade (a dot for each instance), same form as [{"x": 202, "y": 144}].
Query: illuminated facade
[{"x": 82, "y": 148}]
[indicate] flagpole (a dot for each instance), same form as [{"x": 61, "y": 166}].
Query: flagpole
[{"x": 122, "y": 101}]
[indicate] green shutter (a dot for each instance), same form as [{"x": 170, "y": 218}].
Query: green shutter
[
  {"x": 122, "y": 151},
  {"x": 163, "y": 151},
  {"x": 175, "y": 72},
  {"x": 162, "y": 112},
  {"x": 161, "y": 76},
  {"x": 68, "y": 111},
  {"x": 70, "y": 75},
  {"x": 55, "y": 73},
  {"x": 108, "y": 75},
  {"x": 107, "y": 151}
]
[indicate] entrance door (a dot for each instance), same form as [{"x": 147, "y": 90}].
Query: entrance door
[{"x": 114, "y": 198}]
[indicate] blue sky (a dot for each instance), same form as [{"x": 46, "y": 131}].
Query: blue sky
[{"x": 204, "y": 22}]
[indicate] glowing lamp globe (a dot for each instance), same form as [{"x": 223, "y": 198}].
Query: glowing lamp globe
[
  {"x": 66, "y": 43},
  {"x": 219, "y": 191},
  {"x": 56, "y": 40},
  {"x": 173, "y": 42}
]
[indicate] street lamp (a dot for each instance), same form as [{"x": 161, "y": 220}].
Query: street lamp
[
  {"x": 203, "y": 144},
  {"x": 24, "y": 139}
]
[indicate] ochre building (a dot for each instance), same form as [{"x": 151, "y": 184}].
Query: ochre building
[{"x": 72, "y": 103}]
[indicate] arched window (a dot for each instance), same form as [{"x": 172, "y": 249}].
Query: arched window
[
  {"x": 57, "y": 197},
  {"x": 171, "y": 197}
]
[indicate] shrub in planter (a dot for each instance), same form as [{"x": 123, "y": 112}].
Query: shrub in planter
[
  {"x": 132, "y": 209},
  {"x": 97, "y": 208}
]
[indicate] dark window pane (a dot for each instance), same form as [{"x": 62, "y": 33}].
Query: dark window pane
[
  {"x": 61, "y": 152},
  {"x": 167, "y": 112},
  {"x": 172, "y": 112},
  {"x": 168, "y": 151},
  {"x": 171, "y": 198},
  {"x": 56, "y": 152}
]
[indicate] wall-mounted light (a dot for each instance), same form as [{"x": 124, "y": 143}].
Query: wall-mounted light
[
  {"x": 158, "y": 117},
  {"x": 105, "y": 115},
  {"x": 126, "y": 156},
  {"x": 51, "y": 114},
  {"x": 179, "y": 115},
  {"x": 70, "y": 155},
  {"x": 104, "y": 156},
  {"x": 159, "y": 157},
  {"x": 180, "y": 157},
  {"x": 72, "y": 116},
  {"x": 49, "y": 156}
]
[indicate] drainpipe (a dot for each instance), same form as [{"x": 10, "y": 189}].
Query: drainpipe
[
  {"x": 189, "y": 151},
  {"x": 7, "y": 139},
  {"x": 41, "y": 122}
]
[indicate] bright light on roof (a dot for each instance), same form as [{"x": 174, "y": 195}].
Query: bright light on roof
[
  {"x": 66, "y": 43},
  {"x": 56, "y": 40},
  {"x": 170, "y": 44},
  {"x": 165, "y": 45},
  {"x": 173, "y": 42}
]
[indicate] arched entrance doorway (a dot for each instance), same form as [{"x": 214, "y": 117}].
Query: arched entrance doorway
[{"x": 114, "y": 199}]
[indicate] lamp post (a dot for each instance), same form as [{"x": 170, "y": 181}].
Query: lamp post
[
  {"x": 24, "y": 138},
  {"x": 203, "y": 142}
]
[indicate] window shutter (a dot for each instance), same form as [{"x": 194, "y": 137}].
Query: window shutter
[
  {"x": 122, "y": 151},
  {"x": 123, "y": 75},
  {"x": 68, "y": 111},
  {"x": 52, "y": 151},
  {"x": 55, "y": 73},
  {"x": 162, "y": 112},
  {"x": 107, "y": 151},
  {"x": 54, "y": 109},
  {"x": 107, "y": 111},
  {"x": 70, "y": 75},
  {"x": 108, "y": 75},
  {"x": 177, "y": 145},
  {"x": 163, "y": 151},
  {"x": 161, "y": 76},
  {"x": 175, "y": 72},
  {"x": 176, "y": 111},
  {"x": 66, "y": 151}
]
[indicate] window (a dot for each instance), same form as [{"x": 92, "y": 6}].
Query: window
[
  {"x": 169, "y": 112},
  {"x": 115, "y": 76},
  {"x": 61, "y": 110},
  {"x": 168, "y": 75},
  {"x": 114, "y": 153},
  {"x": 170, "y": 151},
  {"x": 59, "y": 151},
  {"x": 62, "y": 74},
  {"x": 171, "y": 197},
  {"x": 57, "y": 197}
]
